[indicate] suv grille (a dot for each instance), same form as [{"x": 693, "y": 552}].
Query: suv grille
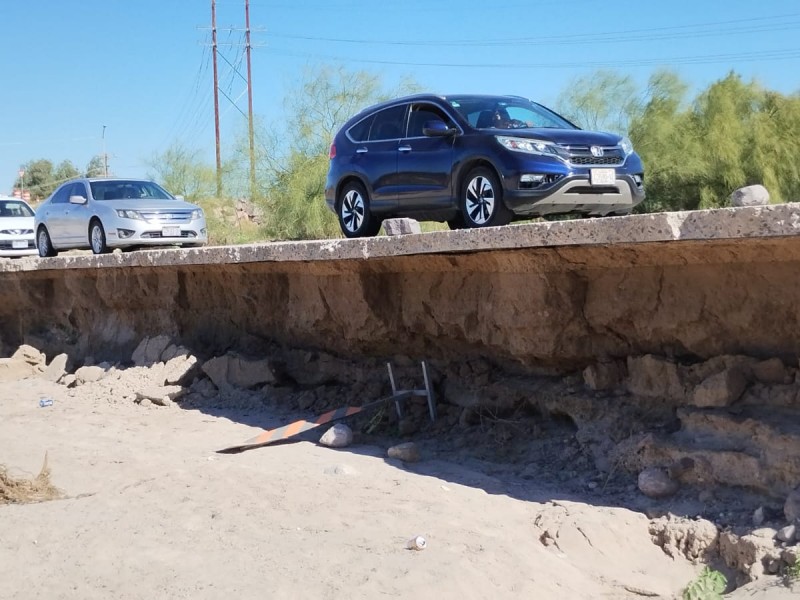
[{"x": 582, "y": 156}]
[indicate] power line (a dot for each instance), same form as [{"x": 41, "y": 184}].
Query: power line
[
  {"x": 773, "y": 55},
  {"x": 632, "y": 35}
]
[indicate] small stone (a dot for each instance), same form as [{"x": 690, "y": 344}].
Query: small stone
[
  {"x": 766, "y": 533},
  {"x": 149, "y": 350},
  {"x": 68, "y": 380},
  {"x": 787, "y": 534},
  {"x": 407, "y": 452},
  {"x": 56, "y": 369},
  {"x": 750, "y": 195},
  {"x": 603, "y": 375},
  {"x": 771, "y": 371},
  {"x": 758, "y": 516},
  {"x": 162, "y": 395},
  {"x": 654, "y": 482},
  {"x": 720, "y": 389},
  {"x": 338, "y": 436},
  {"x": 145, "y": 402}
]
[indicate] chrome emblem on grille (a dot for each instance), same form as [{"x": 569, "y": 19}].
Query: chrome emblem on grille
[{"x": 596, "y": 151}]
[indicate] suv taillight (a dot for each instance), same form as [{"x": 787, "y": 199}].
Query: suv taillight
[{"x": 332, "y": 153}]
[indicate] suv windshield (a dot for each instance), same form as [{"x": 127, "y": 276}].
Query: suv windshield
[
  {"x": 12, "y": 208},
  {"x": 502, "y": 112},
  {"x": 119, "y": 189}
]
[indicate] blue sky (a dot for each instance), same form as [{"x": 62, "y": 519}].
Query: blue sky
[{"x": 142, "y": 67}]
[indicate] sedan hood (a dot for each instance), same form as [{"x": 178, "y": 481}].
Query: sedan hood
[
  {"x": 16, "y": 223},
  {"x": 143, "y": 204},
  {"x": 565, "y": 137}
]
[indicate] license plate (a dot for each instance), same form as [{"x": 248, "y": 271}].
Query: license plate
[
  {"x": 170, "y": 232},
  {"x": 19, "y": 244},
  {"x": 602, "y": 176}
]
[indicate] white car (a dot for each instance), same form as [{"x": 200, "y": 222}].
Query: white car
[
  {"x": 16, "y": 228},
  {"x": 103, "y": 214}
]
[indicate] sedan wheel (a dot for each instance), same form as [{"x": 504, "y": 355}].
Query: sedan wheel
[
  {"x": 355, "y": 217},
  {"x": 482, "y": 200},
  {"x": 97, "y": 238},
  {"x": 43, "y": 243}
]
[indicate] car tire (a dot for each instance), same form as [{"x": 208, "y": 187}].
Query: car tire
[
  {"x": 481, "y": 200},
  {"x": 44, "y": 244},
  {"x": 97, "y": 237},
  {"x": 355, "y": 218}
]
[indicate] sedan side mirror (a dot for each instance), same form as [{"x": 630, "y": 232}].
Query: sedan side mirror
[
  {"x": 179, "y": 197},
  {"x": 437, "y": 128},
  {"x": 77, "y": 200}
]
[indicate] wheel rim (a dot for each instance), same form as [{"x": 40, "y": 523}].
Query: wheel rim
[
  {"x": 43, "y": 242},
  {"x": 97, "y": 239},
  {"x": 480, "y": 200},
  {"x": 352, "y": 210}
]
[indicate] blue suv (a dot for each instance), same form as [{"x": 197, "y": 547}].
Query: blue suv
[{"x": 474, "y": 161}]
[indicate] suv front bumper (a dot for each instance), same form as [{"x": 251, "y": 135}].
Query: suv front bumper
[{"x": 575, "y": 193}]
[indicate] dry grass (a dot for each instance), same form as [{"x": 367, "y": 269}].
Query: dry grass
[{"x": 25, "y": 491}]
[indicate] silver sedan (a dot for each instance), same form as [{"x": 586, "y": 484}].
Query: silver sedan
[{"x": 102, "y": 214}]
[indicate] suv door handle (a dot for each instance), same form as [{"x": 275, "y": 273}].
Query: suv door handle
[
  {"x": 362, "y": 150},
  {"x": 404, "y": 149}
]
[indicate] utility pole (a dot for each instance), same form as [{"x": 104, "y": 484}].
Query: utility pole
[
  {"x": 216, "y": 94},
  {"x": 105, "y": 154},
  {"x": 250, "y": 102}
]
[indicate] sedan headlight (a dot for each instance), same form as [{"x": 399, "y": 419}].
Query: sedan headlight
[
  {"x": 626, "y": 145},
  {"x": 530, "y": 146},
  {"x": 197, "y": 214},
  {"x": 125, "y": 213}
]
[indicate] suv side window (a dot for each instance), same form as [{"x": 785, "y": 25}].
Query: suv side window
[
  {"x": 360, "y": 131},
  {"x": 421, "y": 114},
  {"x": 389, "y": 124}
]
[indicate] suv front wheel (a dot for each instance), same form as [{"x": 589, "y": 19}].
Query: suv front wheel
[
  {"x": 481, "y": 200},
  {"x": 355, "y": 217}
]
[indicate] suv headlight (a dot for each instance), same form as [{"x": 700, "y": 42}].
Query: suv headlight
[
  {"x": 129, "y": 214},
  {"x": 626, "y": 145},
  {"x": 197, "y": 214},
  {"x": 530, "y": 146}
]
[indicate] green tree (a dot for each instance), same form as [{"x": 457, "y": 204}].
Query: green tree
[
  {"x": 38, "y": 178},
  {"x": 602, "y": 101},
  {"x": 96, "y": 167},
  {"x": 293, "y": 158},
  {"x": 182, "y": 172}
]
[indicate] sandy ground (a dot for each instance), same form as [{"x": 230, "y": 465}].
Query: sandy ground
[{"x": 153, "y": 512}]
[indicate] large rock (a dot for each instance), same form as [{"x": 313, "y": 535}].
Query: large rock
[
  {"x": 234, "y": 371},
  {"x": 401, "y": 226},
  {"x": 149, "y": 350},
  {"x": 161, "y": 395},
  {"x": 695, "y": 540},
  {"x": 56, "y": 369},
  {"x": 30, "y": 355},
  {"x": 791, "y": 508},
  {"x": 12, "y": 369},
  {"x": 720, "y": 389},
  {"x": 771, "y": 371},
  {"x": 751, "y": 195},
  {"x": 180, "y": 367},
  {"x": 89, "y": 374},
  {"x": 654, "y": 377},
  {"x": 603, "y": 375}
]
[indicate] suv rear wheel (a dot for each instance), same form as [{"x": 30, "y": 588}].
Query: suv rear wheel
[
  {"x": 482, "y": 200},
  {"x": 355, "y": 217}
]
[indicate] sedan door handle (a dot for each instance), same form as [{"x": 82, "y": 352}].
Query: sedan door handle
[
  {"x": 404, "y": 149},
  {"x": 362, "y": 150}
]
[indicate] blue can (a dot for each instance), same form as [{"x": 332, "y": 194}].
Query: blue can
[{"x": 45, "y": 402}]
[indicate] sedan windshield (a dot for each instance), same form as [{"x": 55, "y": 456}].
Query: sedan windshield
[
  {"x": 502, "y": 112},
  {"x": 12, "y": 208},
  {"x": 119, "y": 189}
]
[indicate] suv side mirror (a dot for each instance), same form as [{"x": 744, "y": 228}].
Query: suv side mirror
[
  {"x": 77, "y": 200},
  {"x": 437, "y": 128}
]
